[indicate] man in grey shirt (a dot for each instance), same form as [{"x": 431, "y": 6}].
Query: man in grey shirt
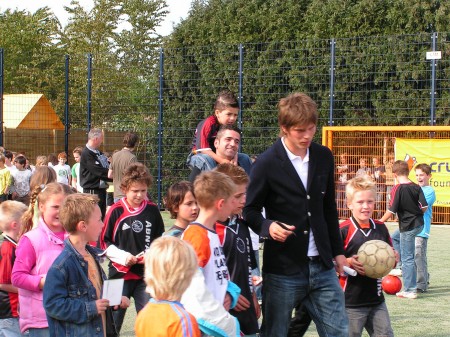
[{"x": 120, "y": 161}]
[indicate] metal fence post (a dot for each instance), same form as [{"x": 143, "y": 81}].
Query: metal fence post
[
  {"x": 160, "y": 125},
  {"x": 332, "y": 69},
  {"x": 66, "y": 107},
  {"x": 240, "y": 99},
  {"x": 1, "y": 94},
  {"x": 89, "y": 91},
  {"x": 433, "y": 82}
]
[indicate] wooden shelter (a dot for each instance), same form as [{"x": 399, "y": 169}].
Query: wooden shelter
[{"x": 29, "y": 111}]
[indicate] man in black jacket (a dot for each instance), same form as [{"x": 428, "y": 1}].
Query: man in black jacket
[
  {"x": 94, "y": 168},
  {"x": 294, "y": 182}
]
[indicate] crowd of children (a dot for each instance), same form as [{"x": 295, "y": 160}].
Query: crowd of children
[
  {"x": 16, "y": 173},
  {"x": 195, "y": 279}
]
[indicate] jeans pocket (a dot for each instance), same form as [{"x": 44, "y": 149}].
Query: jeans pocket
[{"x": 77, "y": 291}]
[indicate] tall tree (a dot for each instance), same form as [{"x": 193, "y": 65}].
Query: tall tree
[
  {"x": 31, "y": 43},
  {"x": 121, "y": 37}
]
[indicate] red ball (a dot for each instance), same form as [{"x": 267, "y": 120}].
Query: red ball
[{"x": 391, "y": 284}]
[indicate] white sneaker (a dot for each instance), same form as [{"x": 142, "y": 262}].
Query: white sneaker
[
  {"x": 407, "y": 294},
  {"x": 396, "y": 272}
]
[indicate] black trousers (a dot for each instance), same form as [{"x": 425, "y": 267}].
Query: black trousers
[{"x": 101, "y": 193}]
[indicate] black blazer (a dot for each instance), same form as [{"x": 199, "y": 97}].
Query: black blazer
[
  {"x": 276, "y": 186},
  {"x": 91, "y": 170}
]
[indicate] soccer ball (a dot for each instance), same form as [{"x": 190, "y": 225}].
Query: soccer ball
[
  {"x": 391, "y": 284},
  {"x": 377, "y": 257}
]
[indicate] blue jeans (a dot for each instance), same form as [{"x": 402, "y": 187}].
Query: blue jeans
[
  {"x": 317, "y": 288},
  {"x": 202, "y": 161},
  {"x": 9, "y": 327},
  {"x": 135, "y": 289},
  {"x": 375, "y": 319},
  {"x": 37, "y": 332},
  {"x": 256, "y": 272},
  {"x": 407, "y": 251},
  {"x": 420, "y": 259},
  {"x": 395, "y": 237}
]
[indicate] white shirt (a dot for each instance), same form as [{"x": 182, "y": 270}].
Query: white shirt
[{"x": 301, "y": 167}]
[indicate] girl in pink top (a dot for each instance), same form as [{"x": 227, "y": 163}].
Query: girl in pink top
[{"x": 36, "y": 251}]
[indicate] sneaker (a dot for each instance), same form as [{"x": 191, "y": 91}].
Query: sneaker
[
  {"x": 396, "y": 272},
  {"x": 407, "y": 294},
  {"x": 421, "y": 290}
]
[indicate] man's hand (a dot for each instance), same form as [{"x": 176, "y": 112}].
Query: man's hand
[
  {"x": 341, "y": 261},
  {"x": 280, "y": 231}
]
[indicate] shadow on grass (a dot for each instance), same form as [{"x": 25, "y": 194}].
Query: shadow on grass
[{"x": 435, "y": 291}]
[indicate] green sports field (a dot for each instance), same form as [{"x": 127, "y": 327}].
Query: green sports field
[{"x": 426, "y": 316}]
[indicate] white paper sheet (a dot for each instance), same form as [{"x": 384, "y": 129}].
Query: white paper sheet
[{"x": 112, "y": 291}]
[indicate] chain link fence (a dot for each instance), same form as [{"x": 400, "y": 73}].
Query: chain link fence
[{"x": 383, "y": 80}]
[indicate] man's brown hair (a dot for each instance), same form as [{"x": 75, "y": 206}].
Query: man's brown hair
[{"x": 296, "y": 109}]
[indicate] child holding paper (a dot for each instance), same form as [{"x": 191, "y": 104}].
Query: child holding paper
[
  {"x": 131, "y": 225},
  {"x": 72, "y": 291}
]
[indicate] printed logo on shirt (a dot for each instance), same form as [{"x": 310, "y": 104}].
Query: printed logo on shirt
[
  {"x": 240, "y": 245},
  {"x": 125, "y": 226},
  {"x": 148, "y": 233},
  {"x": 221, "y": 266},
  {"x": 137, "y": 226},
  {"x": 62, "y": 173}
]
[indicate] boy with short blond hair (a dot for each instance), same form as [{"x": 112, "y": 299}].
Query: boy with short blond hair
[
  {"x": 5, "y": 179},
  {"x": 208, "y": 191},
  {"x": 409, "y": 203},
  {"x": 210, "y": 293},
  {"x": 364, "y": 300},
  {"x": 10, "y": 223},
  {"x": 170, "y": 265},
  {"x": 69, "y": 310}
]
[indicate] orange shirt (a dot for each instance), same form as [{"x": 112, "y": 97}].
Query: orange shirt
[{"x": 165, "y": 319}]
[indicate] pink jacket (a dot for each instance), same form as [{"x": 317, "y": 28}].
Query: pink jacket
[{"x": 35, "y": 254}]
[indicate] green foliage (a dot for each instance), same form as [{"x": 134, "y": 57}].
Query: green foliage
[
  {"x": 381, "y": 76},
  {"x": 377, "y": 80},
  {"x": 35, "y": 62},
  {"x": 121, "y": 36}
]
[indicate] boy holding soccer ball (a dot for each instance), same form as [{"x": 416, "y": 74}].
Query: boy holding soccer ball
[{"x": 364, "y": 300}]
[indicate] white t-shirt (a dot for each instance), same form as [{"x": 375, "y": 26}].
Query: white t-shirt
[
  {"x": 21, "y": 182},
  {"x": 62, "y": 173}
]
